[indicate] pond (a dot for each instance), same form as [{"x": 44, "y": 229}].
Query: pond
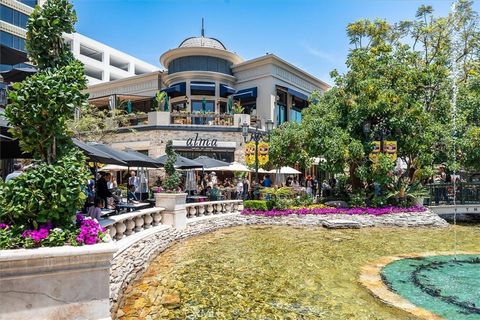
[{"x": 259, "y": 272}]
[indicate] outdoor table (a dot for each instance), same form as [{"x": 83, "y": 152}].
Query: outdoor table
[
  {"x": 196, "y": 199},
  {"x": 107, "y": 212},
  {"x": 132, "y": 206}
]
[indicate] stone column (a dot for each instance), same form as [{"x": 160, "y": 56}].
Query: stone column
[{"x": 175, "y": 213}]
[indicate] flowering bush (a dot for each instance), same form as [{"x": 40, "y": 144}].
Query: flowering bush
[
  {"x": 87, "y": 231},
  {"x": 90, "y": 231},
  {"x": 327, "y": 210}
]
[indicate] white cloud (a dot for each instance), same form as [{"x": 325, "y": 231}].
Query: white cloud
[{"x": 319, "y": 53}]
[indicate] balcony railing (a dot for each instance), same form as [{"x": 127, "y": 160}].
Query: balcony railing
[
  {"x": 443, "y": 193},
  {"x": 213, "y": 119}
]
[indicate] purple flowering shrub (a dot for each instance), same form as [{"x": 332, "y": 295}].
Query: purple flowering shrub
[
  {"x": 87, "y": 231},
  {"x": 323, "y": 211},
  {"x": 90, "y": 231}
]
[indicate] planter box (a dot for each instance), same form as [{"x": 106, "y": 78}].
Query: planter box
[
  {"x": 56, "y": 283},
  {"x": 239, "y": 119},
  {"x": 158, "y": 118},
  {"x": 175, "y": 213}
]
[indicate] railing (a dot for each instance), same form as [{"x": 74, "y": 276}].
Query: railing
[
  {"x": 126, "y": 224},
  {"x": 199, "y": 209},
  {"x": 443, "y": 193},
  {"x": 202, "y": 119}
]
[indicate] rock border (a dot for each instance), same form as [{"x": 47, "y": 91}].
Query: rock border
[
  {"x": 370, "y": 278},
  {"x": 130, "y": 264}
]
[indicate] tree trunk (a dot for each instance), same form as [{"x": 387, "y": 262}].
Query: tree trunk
[{"x": 356, "y": 182}]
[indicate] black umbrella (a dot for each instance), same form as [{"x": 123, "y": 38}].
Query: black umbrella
[
  {"x": 11, "y": 56},
  {"x": 9, "y": 147},
  {"x": 96, "y": 155},
  {"x": 145, "y": 157},
  {"x": 208, "y": 162},
  {"x": 181, "y": 162},
  {"x": 131, "y": 159},
  {"x": 17, "y": 73}
]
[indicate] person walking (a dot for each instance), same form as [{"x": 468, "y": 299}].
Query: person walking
[
  {"x": 309, "y": 185},
  {"x": 102, "y": 189},
  {"x": 267, "y": 183},
  {"x": 239, "y": 189},
  {"x": 246, "y": 189}
]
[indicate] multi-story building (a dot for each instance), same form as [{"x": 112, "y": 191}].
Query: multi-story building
[
  {"x": 203, "y": 79},
  {"x": 102, "y": 63}
]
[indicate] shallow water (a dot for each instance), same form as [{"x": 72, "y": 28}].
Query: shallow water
[
  {"x": 446, "y": 285},
  {"x": 257, "y": 272}
]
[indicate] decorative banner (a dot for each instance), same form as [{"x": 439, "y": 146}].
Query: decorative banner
[
  {"x": 262, "y": 153},
  {"x": 390, "y": 149},
  {"x": 375, "y": 152},
  {"x": 250, "y": 153}
]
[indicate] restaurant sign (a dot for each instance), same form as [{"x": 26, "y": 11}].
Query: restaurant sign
[{"x": 197, "y": 142}]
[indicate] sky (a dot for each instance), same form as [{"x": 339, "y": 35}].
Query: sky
[{"x": 307, "y": 33}]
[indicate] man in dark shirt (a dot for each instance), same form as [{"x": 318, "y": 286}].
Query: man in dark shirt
[{"x": 102, "y": 189}]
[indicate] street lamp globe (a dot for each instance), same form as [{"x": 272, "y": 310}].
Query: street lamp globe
[
  {"x": 245, "y": 130},
  {"x": 269, "y": 125}
]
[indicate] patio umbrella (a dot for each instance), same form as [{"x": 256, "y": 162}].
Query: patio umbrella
[
  {"x": 131, "y": 159},
  {"x": 285, "y": 170},
  {"x": 208, "y": 162},
  {"x": 181, "y": 162},
  {"x": 96, "y": 155},
  {"x": 145, "y": 157},
  {"x": 233, "y": 167},
  {"x": 11, "y": 56},
  {"x": 17, "y": 73}
]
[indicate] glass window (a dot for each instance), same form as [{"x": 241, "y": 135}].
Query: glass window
[
  {"x": 295, "y": 115},
  {"x": 199, "y": 106},
  {"x": 14, "y": 17},
  {"x": 179, "y": 106},
  {"x": 223, "y": 108},
  {"x": 281, "y": 114},
  {"x": 30, "y": 3},
  {"x": 12, "y": 41}
]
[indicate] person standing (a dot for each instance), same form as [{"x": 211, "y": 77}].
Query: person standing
[
  {"x": 18, "y": 170},
  {"x": 267, "y": 183},
  {"x": 102, "y": 189},
  {"x": 309, "y": 185},
  {"x": 239, "y": 189},
  {"x": 246, "y": 189}
]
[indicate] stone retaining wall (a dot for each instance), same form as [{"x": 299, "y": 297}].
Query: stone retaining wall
[{"x": 130, "y": 263}]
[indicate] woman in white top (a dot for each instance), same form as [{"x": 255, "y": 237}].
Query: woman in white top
[{"x": 239, "y": 189}]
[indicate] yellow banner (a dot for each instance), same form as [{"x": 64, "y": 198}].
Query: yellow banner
[
  {"x": 373, "y": 156},
  {"x": 262, "y": 153},
  {"x": 250, "y": 153},
  {"x": 390, "y": 149}
]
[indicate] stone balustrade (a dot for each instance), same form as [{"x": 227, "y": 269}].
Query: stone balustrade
[
  {"x": 200, "y": 209},
  {"x": 126, "y": 224}
]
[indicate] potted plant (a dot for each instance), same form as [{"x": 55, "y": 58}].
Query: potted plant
[
  {"x": 172, "y": 198},
  {"x": 239, "y": 117},
  {"x": 161, "y": 113}
]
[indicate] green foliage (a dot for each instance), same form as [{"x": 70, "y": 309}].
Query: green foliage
[
  {"x": 56, "y": 238},
  {"x": 404, "y": 194},
  {"x": 282, "y": 192},
  {"x": 357, "y": 199},
  {"x": 255, "y": 205},
  {"x": 378, "y": 201},
  {"x": 45, "y": 193},
  {"x": 45, "y": 45},
  {"x": 173, "y": 177},
  {"x": 160, "y": 98},
  {"x": 40, "y": 107},
  {"x": 95, "y": 124},
  {"x": 10, "y": 238},
  {"x": 237, "y": 108},
  {"x": 287, "y": 146}
]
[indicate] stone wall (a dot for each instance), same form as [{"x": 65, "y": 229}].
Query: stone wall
[
  {"x": 130, "y": 264},
  {"x": 56, "y": 283}
]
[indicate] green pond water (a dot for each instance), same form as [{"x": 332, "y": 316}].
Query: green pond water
[
  {"x": 447, "y": 285},
  {"x": 254, "y": 272}
]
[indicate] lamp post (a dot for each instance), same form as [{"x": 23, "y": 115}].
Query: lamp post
[{"x": 256, "y": 136}]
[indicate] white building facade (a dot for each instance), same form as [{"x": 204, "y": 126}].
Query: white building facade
[
  {"x": 203, "y": 80},
  {"x": 102, "y": 63}
]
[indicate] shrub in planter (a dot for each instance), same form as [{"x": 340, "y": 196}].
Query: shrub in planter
[
  {"x": 172, "y": 182},
  {"x": 260, "y": 205},
  {"x": 47, "y": 193}
]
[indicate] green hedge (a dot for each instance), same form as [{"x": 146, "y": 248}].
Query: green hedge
[{"x": 255, "y": 205}]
